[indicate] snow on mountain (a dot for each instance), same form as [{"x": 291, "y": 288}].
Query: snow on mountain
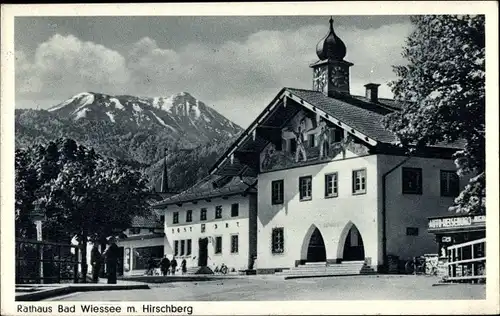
[{"x": 181, "y": 114}]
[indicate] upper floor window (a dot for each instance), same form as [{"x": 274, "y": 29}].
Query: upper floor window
[
  {"x": 203, "y": 214},
  {"x": 162, "y": 219},
  {"x": 337, "y": 134},
  {"x": 311, "y": 140},
  {"x": 450, "y": 183},
  {"x": 235, "y": 210},
  {"x": 305, "y": 188},
  {"x": 412, "y": 181},
  {"x": 134, "y": 230},
  {"x": 277, "y": 192},
  {"x": 359, "y": 181},
  {"x": 218, "y": 211},
  {"x": 331, "y": 185},
  {"x": 175, "y": 219},
  {"x": 293, "y": 145},
  {"x": 277, "y": 240},
  {"x": 218, "y": 244},
  {"x": 202, "y": 228},
  {"x": 189, "y": 216}
]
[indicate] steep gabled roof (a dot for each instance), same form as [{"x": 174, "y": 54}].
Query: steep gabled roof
[
  {"x": 206, "y": 189},
  {"x": 356, "y": 114}
]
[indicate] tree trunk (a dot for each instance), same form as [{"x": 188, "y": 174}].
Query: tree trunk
[{"x": 84, "y": 255}]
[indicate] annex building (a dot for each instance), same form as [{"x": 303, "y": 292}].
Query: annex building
[{"x": 314, "y": 178}]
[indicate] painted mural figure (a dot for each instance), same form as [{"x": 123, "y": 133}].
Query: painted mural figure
[{"x": 324, "y": 140}]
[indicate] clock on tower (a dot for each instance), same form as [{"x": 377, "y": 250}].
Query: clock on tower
[
  {"x": 331, "y": 72},
  {"x": 320, "y": 79}
]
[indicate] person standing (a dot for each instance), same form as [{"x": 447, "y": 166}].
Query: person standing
[
  {"x": 112, "y": 254},
  {"x": 95, "y": 261},
  {"x": 173, "y": 263},
  {"x": 165, "y": 265},
  {"x": 183, "y": 266}
]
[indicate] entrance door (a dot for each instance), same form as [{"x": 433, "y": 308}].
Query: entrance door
[
  {"x": 353, "y": 246},
  {"x": 202, "y": 252},
  {"x": 316, "y": 251}
]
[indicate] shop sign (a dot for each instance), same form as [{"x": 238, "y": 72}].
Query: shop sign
[
  {"x": 446, "y": 239},
  {"x": 456, "y": 222}
]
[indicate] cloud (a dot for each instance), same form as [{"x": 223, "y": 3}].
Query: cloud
[
  {"x": 236, "y": 76},
  {"x": 65, "y": 63}
]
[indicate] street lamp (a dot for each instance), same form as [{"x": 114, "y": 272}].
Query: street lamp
[{"x": 38, "y": 217}]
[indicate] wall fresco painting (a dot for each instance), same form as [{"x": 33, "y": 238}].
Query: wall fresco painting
[{"x": 308, "y": 139}]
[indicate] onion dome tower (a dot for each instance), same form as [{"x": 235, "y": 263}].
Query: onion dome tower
[{"x": 331, "y": 71}]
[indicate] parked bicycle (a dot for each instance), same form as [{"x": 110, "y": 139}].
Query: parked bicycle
[
  {"x": 415, "y": 265},
  {"x": 222, "y": 270}
]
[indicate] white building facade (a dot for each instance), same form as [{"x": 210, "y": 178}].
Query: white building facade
[
  {"x": 333, "y": 185},
  {"x": 209, "y": 226}
]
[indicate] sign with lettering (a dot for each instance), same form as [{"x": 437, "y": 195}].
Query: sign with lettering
[{"x": 448, "y": 223}]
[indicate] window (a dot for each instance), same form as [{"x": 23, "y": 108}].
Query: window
[
  {"x": 202, "y": 228},
  {"x": 218, "y": 211},
  {"x": 310, "y": 140},
  {"x": 337, "y": 134},
  {"x": 218, "y": 244},
  {"x": 411, "y": 231},
  {"x": 189, "y": 216},
  {"x": 176, "y": 218},
  {"x": 183, "y": 243},
  {"x": 277, "y": 240},
  {"x": 450, "y": 184},
  {"x": 305, "y": 188},
  {"x": 359, "y": 181},
  {"x": 293, "y": 145},
  {"x": 331, "y": 185},
  {"x": 176, "y": 247},
  {"x": 277, "y": 192},
  {"x": 188, "y": 247},
  {"x": 141, "y": 256},
  {"x": 234, "y": 243},
  {"x": 203, "y": 214},
  {"x": 151, "y": 230},
  {"x": 235, "y": 210},
  {"x": 412, "y": 181},
  {"x": 135, "y": 230},
  {"x": 162, "y": 219}
]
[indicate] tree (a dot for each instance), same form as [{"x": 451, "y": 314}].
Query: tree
[
  {"x": 442, "y": 92},
  {"x": 81, "y": 193}
]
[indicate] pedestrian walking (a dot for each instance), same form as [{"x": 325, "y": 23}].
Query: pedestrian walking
[
  {"x": 111, "y": 255},
  {"x": 151, "y": 266},
  {"x": 173, "y": 263},
  {"x": 95, "y": 261},
  {"x": 165, "y": 265},
  {"x": 183, "y": 266}
]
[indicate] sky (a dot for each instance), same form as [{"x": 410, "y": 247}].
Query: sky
[{"x": 236, "y": 64}]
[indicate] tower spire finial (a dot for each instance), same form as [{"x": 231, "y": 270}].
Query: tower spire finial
[
  {"x": 164, "y": 176},
  {"x": 331, "y": 22}
]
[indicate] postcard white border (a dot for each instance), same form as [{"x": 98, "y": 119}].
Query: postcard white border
[{"x": 489, "y": 8}]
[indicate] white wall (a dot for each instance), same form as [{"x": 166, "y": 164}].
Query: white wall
[
  {"x": 412, "y": 210},
  {"x": 225, "y": 227},
  {"x": 333, "y": 216}
]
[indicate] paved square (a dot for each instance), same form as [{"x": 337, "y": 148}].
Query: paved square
[{"x": 269, "y": 288}]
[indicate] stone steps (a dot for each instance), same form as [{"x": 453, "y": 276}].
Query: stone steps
[{"x": 322, "y": 269}]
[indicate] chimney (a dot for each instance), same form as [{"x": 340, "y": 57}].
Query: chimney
[{"x": 371, "y": 92}]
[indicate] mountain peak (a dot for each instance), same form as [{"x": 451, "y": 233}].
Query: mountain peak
[{"x": 180, "y": 113}]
